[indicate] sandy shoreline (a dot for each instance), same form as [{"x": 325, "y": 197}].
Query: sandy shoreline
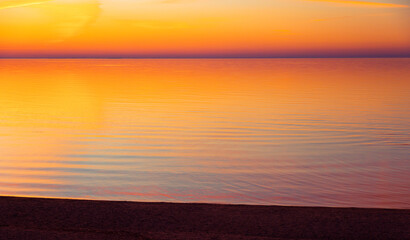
[{"x": 37, "y": 218}]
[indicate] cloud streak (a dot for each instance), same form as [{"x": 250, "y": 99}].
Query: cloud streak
[
  {"x": 363, "y": 3},
  {"x": 345, "y": 17},
  {"x": 20, "y": 3}
]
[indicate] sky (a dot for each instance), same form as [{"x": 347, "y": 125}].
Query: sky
[{"x": 204, "y": 28}]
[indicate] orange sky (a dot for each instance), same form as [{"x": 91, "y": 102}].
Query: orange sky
[{"x": 196, "y": 28}]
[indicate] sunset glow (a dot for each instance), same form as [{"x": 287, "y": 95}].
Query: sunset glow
[
  {"x": 204, "y": 28},
  {"x": 249, "y": 131}
]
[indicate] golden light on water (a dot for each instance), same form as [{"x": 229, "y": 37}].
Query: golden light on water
[{"x": 241, "y": 131}]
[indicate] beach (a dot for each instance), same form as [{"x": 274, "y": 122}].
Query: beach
[{"x": 39, "y": 218}]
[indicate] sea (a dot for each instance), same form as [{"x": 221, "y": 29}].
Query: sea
[{"x": 294, "y": 132}]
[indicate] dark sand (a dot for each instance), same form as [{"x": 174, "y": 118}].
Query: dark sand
[{"x": 35, "y": 218}]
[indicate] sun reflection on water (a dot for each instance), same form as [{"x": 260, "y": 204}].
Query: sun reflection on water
[{"x": 294, "y": 132}]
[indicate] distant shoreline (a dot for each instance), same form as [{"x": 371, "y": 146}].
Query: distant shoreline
[
  {"x": 40, "y": 218},
  {"x": 204, "y": 58}
]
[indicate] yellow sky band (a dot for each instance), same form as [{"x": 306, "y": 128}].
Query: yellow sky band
[{"x": 364, "y": 3}]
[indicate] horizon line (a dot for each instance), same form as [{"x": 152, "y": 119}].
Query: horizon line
[{"x": 210, "y": 57}]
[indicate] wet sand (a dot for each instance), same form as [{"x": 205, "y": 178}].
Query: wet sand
[{"x": 37, "y": 218}]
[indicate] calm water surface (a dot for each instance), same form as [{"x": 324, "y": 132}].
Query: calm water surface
[{"x": 316, "y": 132}]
